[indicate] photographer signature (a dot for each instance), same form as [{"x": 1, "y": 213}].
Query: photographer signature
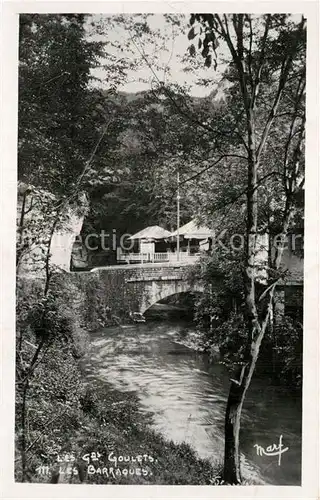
[{"x": 272, "y": 450}]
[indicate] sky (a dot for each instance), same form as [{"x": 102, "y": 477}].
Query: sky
[
  {"x": 158, "y": 60},
  {"x": 160, "y": 57}
]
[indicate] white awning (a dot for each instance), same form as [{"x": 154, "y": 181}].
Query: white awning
[
  {"x": 192, "y": 231},
  {"x": 151, "y": 233}
]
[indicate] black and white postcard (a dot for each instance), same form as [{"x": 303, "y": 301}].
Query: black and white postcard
[{"x": 160, "y": 249}]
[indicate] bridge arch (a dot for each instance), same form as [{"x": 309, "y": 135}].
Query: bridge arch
[
  {"x": 157, "y": 293},
  {"x": 135, "y": 288}
]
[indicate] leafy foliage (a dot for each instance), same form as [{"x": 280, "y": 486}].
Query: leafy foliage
[
  {"x": 288, "y": 352},
  {"x": 58, "y": 114},
  {"x": 220, "y": 316},
  {"x": 126, "y": 152}
]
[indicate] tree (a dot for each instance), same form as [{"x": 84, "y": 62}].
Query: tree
[
  {"x": 266, "y": 52},
  {"x": 59, "y": 133},
  {"x": 59, "y": 116}
]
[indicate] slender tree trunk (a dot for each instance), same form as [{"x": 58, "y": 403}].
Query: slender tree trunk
[
  {"x": 237, "y": 393},
  {"x": 239, "y": 385},
  {"x": 238, "y": 388},
  {"x": 232, "y": 473},
  {"x": 256, "y": 329}
]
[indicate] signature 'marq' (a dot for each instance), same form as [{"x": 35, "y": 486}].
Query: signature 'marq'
[{"x": 272, "y": 450}]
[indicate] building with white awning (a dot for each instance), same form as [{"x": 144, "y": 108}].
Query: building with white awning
[
  {"x": 152, "y": 233},
  {"x": 192, "y": 230},
  {"x": 151, "y": 244},
  {"x": 193, "y": 237},
  {"x": 151, "y": 239}
]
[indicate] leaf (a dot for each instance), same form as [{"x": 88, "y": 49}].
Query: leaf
[
  {"x": 191, "y": 34},
  {"x": 208, "y": 61},
  {"x": 209, "y": 18},
  {"x": 199, "y": 43},
  {"x": 192, "y": 19},
  {"x": 192, "y": 50},
  {"x": 205, "y": 50}
]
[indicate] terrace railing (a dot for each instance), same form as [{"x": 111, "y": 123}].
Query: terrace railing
[{"x": 156, "y": 257}]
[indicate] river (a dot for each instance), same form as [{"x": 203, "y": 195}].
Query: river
[{"x": 186, "y": 396}]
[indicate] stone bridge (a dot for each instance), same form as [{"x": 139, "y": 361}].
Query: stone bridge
[
  {"x": 107, "y": 293},
  {"x": 152, "y": 284}
]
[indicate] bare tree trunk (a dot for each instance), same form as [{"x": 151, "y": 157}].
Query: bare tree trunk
[
  {"x": 232, "y": 472},
  {"x": 238, "y": 387},
  {"x": 237, "y": 393}
]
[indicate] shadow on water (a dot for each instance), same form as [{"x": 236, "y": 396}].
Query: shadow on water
[{"x": 186, "y": 394}]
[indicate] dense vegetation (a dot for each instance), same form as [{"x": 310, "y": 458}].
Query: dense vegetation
[
  {"x": 219, "y": 316},
  {"x": 239, "y": 153},
  {"x": 66, "y": 147}
]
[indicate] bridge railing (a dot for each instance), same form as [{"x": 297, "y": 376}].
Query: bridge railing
[
  {"x": 133, "y": 257},
  {"x": 157, "y": 257}
]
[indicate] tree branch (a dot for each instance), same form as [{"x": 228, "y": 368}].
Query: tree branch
[
  {"x": 255, "y": 90},
  {"x": 213, "y": 165},
  {"x": 237, "y": 60},
  {"x": 299, "y": 94},
  {"x": 248, "y": 17},
  {"x": 285, "y": 68}
]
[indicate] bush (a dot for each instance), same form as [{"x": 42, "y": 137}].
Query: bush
[
  {"x": 231, "y": 337},
  {"x": 288, "y": 347},
  {"x": 48, "y": 381}
]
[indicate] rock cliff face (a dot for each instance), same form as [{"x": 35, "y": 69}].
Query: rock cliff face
[{"x": 39, "y": 224}]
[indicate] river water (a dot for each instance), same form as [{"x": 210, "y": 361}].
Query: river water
[{"x": 186, "y": 395}]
